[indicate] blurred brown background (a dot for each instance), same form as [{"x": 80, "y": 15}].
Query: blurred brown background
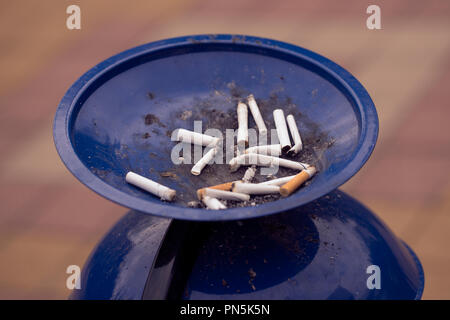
[{"x": 48, "y": 220}]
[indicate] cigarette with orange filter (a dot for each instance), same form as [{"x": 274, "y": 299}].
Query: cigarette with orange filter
[{"x": 293, "y": 184}]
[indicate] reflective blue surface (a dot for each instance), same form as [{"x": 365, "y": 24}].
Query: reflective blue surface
[
  {"x": 118, "y": 267},
  {"x": 99, "y": 123},
  {"x": 317, "y": 251}
]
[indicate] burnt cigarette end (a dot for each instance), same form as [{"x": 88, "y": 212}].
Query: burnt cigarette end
[{"x": 285, "y": 149}]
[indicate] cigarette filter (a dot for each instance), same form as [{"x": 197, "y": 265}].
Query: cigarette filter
[
  {"x": 151, "y": 186},
  {"x": 242, "y": 113},
  {"x": 223, "y": 186},
  {"x": 196, "y": 138},
  {"x": 213, "y": 203},
  {"x": 257, "y": 115},
  {"x": 293, "y": 184},
  {"x": 298, "y": 145},
  {"x": 282, "y": 131},
  {"x": 198, "y": 167},
  {"x": 254, "y": 188}
]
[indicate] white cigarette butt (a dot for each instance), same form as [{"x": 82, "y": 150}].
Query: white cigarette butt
[
  {"x": 254, "y": 188},
  {"x": 263, "y": 160},
  {"x": 226, "y": 195},
  {"x": 197, "y": 138},
  {"x": 242, "y": 114},
  {"x": 151, "y": 186},
  {"x": 282, "y": 131},
  {"x": 198, "y": 167},
  {"x": 249, "y": 174},
  {"x": 257, "y": 115},
  {"x": 271, "y": 150},
  {"x": 213, "y": 203},
  {"x": 298, "y": 145},
  {"x": 277, "y": 182}
]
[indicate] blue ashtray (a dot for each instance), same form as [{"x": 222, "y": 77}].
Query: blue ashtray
[{"x": 119, "y": 115}]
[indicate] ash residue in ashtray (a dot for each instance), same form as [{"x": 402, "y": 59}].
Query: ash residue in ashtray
[
  {"x": 150, "y": 119},
  {"x": 315, "y": 142},
  {"x": 218, "y": 111}
]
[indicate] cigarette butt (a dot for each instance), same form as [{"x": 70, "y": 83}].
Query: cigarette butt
[
  {"x": 282, "y": 131},
  {"x": 242, "y": 114},
  {"x": 254, "y": 109},
  {"x": 298, "y": 145},
  {"x": 151, "y": 186},
  {"x": 271, "y": 150},
  {"x": 293, "y": 184},
  {"x": 220, "y": 194},
  {"x": 249, "y": 174},
  {"x": 249, "y": 159},
  {"x": 290, "y": 164},
  {"x": 213, "y": 203},
  {"x": 277, "y": 182},
  {"x": 254, "y": 188},
  {"x": 226, "y": 195},
  {"x": 198, "y": 167},
  {"x": 263, "y": 160},
  {"x": 197, "y": 138}
]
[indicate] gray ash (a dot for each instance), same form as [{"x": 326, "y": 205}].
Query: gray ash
[{"x": 150, "y": 119}]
